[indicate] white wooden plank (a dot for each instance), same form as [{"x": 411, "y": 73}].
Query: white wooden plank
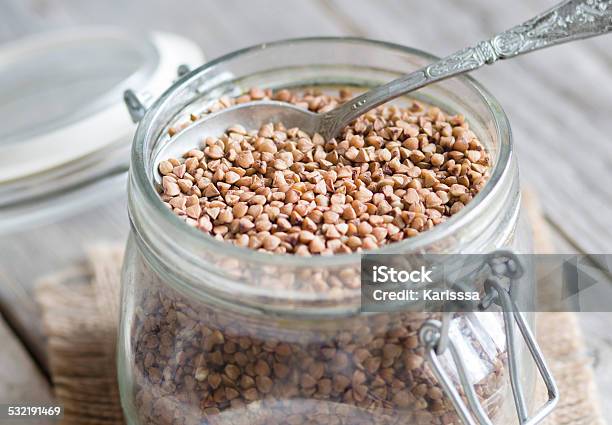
[
  {"x": 46, "y": 249},
  {"x": 21, "y": 383}
]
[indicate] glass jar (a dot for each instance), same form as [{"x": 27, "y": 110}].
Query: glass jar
[{"x": 215, "y": 333}]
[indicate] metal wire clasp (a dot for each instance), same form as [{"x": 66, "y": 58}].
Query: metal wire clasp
[
  {"x": 434, "y": 336},
  {"x": 137, "y": 106}
]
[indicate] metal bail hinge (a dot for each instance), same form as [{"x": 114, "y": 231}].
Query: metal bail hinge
[
  {"x": 182, "y": 70},
  {"x": 434, "y": 334},
  {"x": 135, "y": 107}
]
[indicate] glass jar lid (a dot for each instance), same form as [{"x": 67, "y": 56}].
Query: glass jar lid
[
  {"x": 52, "y": 82},
  {"x": 65, "y": 127},
  {"x": 61, "y": 93}
]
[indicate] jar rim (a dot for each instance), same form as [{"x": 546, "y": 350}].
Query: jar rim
[{"x": 140, "y": 168}]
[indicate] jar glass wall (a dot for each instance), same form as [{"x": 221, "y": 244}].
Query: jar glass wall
[{"x": 215, "y": 333}]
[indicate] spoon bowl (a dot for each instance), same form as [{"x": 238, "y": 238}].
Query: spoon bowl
[{"x": 251, "y": 115}]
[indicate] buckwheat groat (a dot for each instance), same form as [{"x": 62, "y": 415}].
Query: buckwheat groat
[{"x": 392, "y": 174}]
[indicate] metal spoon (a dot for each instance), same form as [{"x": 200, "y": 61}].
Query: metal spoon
[{"x": 570, "y": 20}]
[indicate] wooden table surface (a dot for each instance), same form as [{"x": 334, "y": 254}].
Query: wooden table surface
[{"x": 559, "y": 102}]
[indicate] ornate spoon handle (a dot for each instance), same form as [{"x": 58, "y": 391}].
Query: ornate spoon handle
[{"x": 568, "y": 21}]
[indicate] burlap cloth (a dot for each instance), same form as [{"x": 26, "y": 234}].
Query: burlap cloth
[{"x": 80, "y": 310}]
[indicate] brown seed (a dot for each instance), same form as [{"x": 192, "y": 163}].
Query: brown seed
[
  {"x": 384, "y": 155},
  {"x": 178, "y": 202},
  {"x": 245, "y": 225},
  {"x": 185, "y": 185},
  {"x": 307, "y": 381},
  {"x": 245, "y": 159},
  {"x": 232, "y": 372},
  {"x": 201, "y": 374},
  {"x": 266, "y": 145},
  {"x": 192, "y": 164},
  {"x": 214, "y": 152},
  {"x": 391, "y": 351},
  {"x": 435, "y": 393},
  {"x": 264, "y": 384},
  {"x": 247, "y": 382},
  {"x": 364, "y": 228},
  {"x": 349, "y": 213},
  {"x": 457, "y": 190},
  {"x": 473, "y": 156},
  {"x": 251, "y": 394},
  {"x": 338, "y": 199},
  {"x": 262, "y": 368},
  {"x": 179, "y": 170},
  {"x": 306, "y": 236},
  {"x": 214, "y": 380},
  {"x": 372, "y": 364},
  {"x": 316, "y": 245},
  {"x": 413, "y": 361},
  {"x": 165, "y": 167},
  {"x": 324, "y": 386},
  {"x": 194, "y": 211},
  {"x": 460, "y": 145},
  {"x": 271, "y": 242},
  {"x": 256, "y": 93},
  {"x": 364, "y": 194},
  {"x": 213, "y": 212},
  {"x": 283, "y": 350},
  {"x": 195, "y": 153},
  {"x": 432, "y": 200},
  {"x": 353, "y": 242},
  {"x": 330, "y": 217},
  {"x": 211, "y": 191},
  {"x": 170, "y": 186},
  {"x": 258, "y": 200},
  {"x": 437, "y": 160},
  {"x": 231, "y": 177},
  {"x": 403, "y": 399},
  {"x": 340, "y": 382},
  {"x": 231, "y": 393},
  {"x": 292, "y": 196},
  {"x": 281, "y": 370},
  {"x": 279, "y": 164},
  {"x": 240, "y": 209},
  {"x": 457, "y": 206}
]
